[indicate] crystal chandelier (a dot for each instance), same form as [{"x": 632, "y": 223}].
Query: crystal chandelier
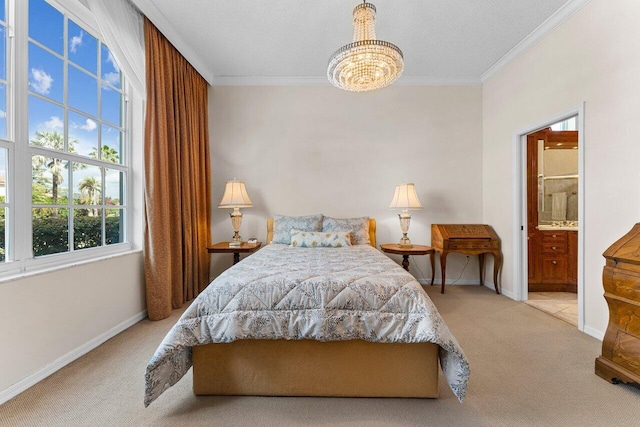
[{"x": 367, "y": 63}]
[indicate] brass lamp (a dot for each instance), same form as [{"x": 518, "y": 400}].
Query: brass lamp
[
  {"x": 405, "y": 198},
  {"x": 235, "y": 197}
]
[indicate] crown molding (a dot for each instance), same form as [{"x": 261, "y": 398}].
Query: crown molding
[
  {"x": 151, "y": 11},
  {"x": 544, "y": 29},
  {"x": 322, "y": 81}
]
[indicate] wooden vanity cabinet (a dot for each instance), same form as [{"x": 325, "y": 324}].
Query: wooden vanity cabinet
[{"x": 553, "y": 261}]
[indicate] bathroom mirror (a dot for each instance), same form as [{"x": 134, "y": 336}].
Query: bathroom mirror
[{"x": 558, "y": 180}]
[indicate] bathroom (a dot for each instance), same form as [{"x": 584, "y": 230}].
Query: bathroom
[{"x": 552, "y": 218}]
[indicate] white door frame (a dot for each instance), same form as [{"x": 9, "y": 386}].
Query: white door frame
[{"x": 519, "y": 189}]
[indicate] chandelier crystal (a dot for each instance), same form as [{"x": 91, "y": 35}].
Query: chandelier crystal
[{"x": 366, "y": 63}]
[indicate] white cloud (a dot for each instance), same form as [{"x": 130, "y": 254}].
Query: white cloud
[
  {"x": 54, "y": 123},
  {"x": 3, "y": 114},
  {"x": 75, "y": 42},
  {"x": 89, "y": 125},
  {"x": 113, "y": 62},
  {"x": 112, "y": 78},
  {"x": 40, "y": 81}
]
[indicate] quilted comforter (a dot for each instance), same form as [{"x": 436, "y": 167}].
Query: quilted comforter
[{"x": 323, "y": 294}]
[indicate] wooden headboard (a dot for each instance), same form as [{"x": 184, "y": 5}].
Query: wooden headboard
[{"x": 372, "y": 231}]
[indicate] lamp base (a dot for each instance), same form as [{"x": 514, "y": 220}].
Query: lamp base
[
  {"x": 405, "y": 243},
  {"x": 405, "y": 219},
  {"x": 236, "y": 220}
]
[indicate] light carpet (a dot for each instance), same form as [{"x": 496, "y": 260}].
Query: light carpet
[{"x": 527, "y": 369}]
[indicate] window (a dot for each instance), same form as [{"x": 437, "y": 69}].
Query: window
[
  {"x": 71, "y": 145},
  {"x": 5, "y": 144}
]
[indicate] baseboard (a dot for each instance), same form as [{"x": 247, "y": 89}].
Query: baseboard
[
  {"x": 599, "y": 335},
  {"x": 61, "y": 362}
]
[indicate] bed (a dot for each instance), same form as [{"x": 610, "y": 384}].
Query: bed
[{"x": 317, "y": 321}]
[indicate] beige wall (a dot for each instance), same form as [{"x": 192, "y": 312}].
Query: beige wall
[
  {"x": 47, "y": 316},
  {"x": 592, "y": 58},
  {"x": 49, "y": 319},
  {"x": 307, "y": 150}
]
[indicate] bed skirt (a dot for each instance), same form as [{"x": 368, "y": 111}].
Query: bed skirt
[{"x": 312, "y": 368}]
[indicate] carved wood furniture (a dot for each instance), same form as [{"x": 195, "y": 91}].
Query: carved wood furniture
[
  {"x": 394, "y": 248},
  {"x": 620, "y": 359},
  {"x": 468, "y": 239},
  {"x": 314, "y": 368}
]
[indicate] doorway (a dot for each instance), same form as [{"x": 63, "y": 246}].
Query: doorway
[
  {"x": 548, "y": 216},
  {"x": 552, "y": 220}
]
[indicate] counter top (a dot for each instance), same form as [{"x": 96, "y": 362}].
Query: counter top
[{"x": 557, "y": 228}]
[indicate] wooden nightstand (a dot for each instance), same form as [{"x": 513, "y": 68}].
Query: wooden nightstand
[
  {"x": 394, "y": 248},
  {"x": 224, "y": 248}
]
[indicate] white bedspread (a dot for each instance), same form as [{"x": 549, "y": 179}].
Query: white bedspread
[{"x": 323, "y": 294}]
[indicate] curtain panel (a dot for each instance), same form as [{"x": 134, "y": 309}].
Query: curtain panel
[
  {"x": 121, "y": 26},
  {"x": 177, "y": 178}
]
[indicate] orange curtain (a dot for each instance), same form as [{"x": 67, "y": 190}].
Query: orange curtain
[{"x": 177, "y": 178}]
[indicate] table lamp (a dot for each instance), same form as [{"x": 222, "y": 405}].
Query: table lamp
[
  {"x": 235, "y": 197},
  {"x": 405, "y": 198}
]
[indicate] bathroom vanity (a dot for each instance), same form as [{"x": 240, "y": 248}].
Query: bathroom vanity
[{"x": 553, "y": 260}]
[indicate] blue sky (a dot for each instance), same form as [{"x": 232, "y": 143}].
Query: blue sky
[{"x": 86, "y": 57}]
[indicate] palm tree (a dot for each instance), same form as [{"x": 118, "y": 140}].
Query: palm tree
[
  {"x": 54, "y": 141},
  {"x": 90, "y": 189},
  {"x": 107, "y": 154}
]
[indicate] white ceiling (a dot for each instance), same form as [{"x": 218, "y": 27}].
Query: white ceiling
[{"x": 442, "y": 40}]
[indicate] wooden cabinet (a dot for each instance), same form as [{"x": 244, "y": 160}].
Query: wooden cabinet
[
  {"x": 620, "y": 359},
  {"x": 553, "y": 261},
  {"x": 572, "y": 261}
]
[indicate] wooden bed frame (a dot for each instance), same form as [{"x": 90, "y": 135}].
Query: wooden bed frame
[{"x": 312, "y": 368}]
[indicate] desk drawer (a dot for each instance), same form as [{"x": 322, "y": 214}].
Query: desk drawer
[{"x": 470, "y": 244}]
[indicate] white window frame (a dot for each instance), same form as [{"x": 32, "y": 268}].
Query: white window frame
[{"x": 19, "y": 242}]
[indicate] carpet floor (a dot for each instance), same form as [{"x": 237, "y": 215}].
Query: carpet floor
[{"x": 527, "y": 369}]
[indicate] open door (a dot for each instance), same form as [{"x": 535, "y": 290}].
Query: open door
[{"x": 552, "y": 210}]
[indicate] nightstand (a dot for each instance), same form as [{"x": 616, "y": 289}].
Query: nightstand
[
  {"x": 394, "y": 248},
  {"x": 224, "y": 248}
]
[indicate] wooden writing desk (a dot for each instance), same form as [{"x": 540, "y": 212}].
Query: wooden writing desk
[{"x": 468, "y": 239}]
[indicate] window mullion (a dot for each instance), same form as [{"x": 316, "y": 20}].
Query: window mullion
[{"x": 22, "y": 171}]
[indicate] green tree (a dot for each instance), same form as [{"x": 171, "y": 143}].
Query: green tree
[
  {"x": 90, "y": 189},
  {"x": 107, "y": 154},
  {"x": 55, "y": 141}
]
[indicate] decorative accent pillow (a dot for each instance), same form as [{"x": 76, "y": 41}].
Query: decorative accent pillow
[
  {"x": 282, "y": 226},
  {"x": 359, "y": 228},
  {"x": 320, "y": 239}
]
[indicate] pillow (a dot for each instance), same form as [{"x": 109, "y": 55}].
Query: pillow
[
  {"x": 359, "y": 228},
  {"x": 282, "y": 226},
  {"x": 320, "y": 239}
]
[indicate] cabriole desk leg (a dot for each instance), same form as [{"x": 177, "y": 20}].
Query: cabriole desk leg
[{"x": 497, "y": 265}]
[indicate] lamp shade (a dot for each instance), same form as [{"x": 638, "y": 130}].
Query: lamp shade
[
  {"x": 235, "y": 196},
  {"x": 405, "y": 197}
]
